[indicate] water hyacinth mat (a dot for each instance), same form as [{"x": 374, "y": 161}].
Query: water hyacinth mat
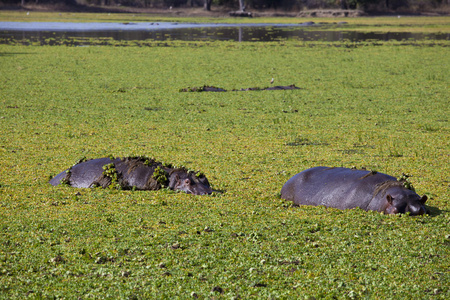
[{"x": 383, "y": 107}]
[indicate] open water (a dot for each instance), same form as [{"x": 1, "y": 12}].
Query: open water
[{"x": 163, "y": 31}]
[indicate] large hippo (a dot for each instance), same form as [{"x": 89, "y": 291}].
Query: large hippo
[
  {"x": 139, "y": 173},
  {"x": 344, "y": 188}
]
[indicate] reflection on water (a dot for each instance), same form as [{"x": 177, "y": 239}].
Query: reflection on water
[{"x": 233, "y": 33}]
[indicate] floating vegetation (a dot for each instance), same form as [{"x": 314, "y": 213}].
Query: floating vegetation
[
  {"x": 300, "y": 141},
  {"x": 58, "y": 242},
  {"x": 65, "y": 181},
  {"x": 79, "y": 161},
  {"x": 161, "y": 176},
  {"x": 167, "y": 165},
  {"x": 406, "y": 182},
  {"x": 111, "y": 173}
]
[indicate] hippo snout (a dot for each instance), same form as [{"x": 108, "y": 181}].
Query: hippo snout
[
  {"x": 416, "y": 210},
  {"x": 191, "y": 185},
  {"x": 203, "y": 190}
]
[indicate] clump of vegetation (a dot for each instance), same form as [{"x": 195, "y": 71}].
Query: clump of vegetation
[
  {"x": 168, "y": 165},
  {"x": 406, "y": 182},
  {"x": 111, "y": 173},
  {"x": 66, "y": 179},
  {"x": 161, "y": 176},
  {"x": 79, "y": 161},
  {"x": 148, "y": 161}
]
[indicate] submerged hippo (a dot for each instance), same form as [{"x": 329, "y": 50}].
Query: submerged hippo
[
  {"x": 347, "y": 188},
  {"x": 207, "y": 88},
  {"x": 132, "y": 173}
]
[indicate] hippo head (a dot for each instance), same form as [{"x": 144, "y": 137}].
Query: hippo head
[
  {"x": 189, "y": 182},
  {"x": 400, "y": 201}
]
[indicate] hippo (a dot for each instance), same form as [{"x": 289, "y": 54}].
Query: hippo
[
  {"x": 139, "y": 173},
  {"x": 281, "y": 87},
  {"x": 344, "y": 188},
  {"x": 207, "y": 88}
]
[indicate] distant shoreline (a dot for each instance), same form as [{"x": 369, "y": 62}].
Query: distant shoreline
[{"x": 216, "y": 11}]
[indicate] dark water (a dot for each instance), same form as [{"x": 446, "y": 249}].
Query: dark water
[{"x": 82, "y": 33}]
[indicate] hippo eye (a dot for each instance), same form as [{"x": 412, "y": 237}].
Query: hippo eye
[{"x": 187, "y": 181}]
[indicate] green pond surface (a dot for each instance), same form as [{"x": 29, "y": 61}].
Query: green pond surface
[{"x": 374, "y": 104}]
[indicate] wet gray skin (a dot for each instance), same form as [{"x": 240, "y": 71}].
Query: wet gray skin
[
  {"x": 344, "y": 188},
  {"x": 132, "y": 173}
]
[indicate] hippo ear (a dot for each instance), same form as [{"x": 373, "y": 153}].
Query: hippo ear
[
  {"x": 423, "y": 199},
  {"x": 389, "y": 198}
]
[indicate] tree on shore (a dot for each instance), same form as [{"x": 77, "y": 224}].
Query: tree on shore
[{"x": 207, "y": 5}]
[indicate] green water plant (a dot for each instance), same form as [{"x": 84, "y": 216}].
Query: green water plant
[
  {"x": 167, "y": 165},
  {"x": 161, "y": 176},
  {"x": 404, "y": 178},
  {"x": 79, "y": 161},
  {"x": 110, "y": 172},
  {"x": 58, "y": 242}
]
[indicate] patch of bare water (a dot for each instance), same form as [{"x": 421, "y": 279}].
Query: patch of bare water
[{"x": 52, "y": 32}]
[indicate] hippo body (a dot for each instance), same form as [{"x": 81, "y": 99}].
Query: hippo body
[
  {"x": 207, "y": 88},
  {"x": 344, "y": 188},
  {"x": 132, "y": 173}
]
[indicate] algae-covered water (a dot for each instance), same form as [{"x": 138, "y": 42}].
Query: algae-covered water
[{"x": 381, "y": 105}]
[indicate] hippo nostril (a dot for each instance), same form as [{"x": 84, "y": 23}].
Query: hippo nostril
[
  {"x": 422, "y": 211},
  {"x": 416, "y": 211}
]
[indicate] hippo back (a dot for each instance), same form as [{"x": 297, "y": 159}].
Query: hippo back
[
  {"x": 334, "y": 187},
  {"x": 139, "y": 173},
  {"x": 82, "y": 175},
  {"x": 135, "y": 173}
]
